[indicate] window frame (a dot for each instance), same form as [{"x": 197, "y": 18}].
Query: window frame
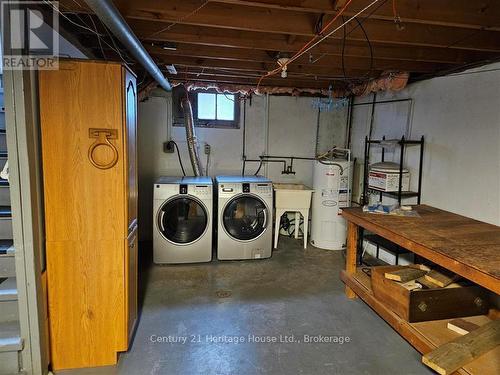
[{"x": 178, "y": 116}]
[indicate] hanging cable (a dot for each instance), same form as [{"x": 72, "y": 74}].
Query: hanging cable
[
  {"x": 369, "y": 47},
  {"x": 355, "y": 27},
  {"x": 98, "y": 37},
  {"x": 301, "y": 51},
  {"x": 343, "y": 49},
  {"x": 180, "y": 19},
  {"x": 179, "y": 156},
  {"x": 85, "y": 26},
  {"x": 314, "y": 41}
]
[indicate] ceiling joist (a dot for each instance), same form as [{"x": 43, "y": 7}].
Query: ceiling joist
[{"x": 242, "y": 39}]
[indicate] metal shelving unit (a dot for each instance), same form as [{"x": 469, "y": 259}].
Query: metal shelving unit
[{"x": 399, "y": 195}]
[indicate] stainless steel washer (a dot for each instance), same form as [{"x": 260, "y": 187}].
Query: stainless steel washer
[
  {"x": 182, "y": 216},
  {"x": 244, "y": 217}
]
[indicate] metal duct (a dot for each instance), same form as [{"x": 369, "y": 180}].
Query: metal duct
[
  {"x": 111, "y": 17},
  {"x": 191, "y": 137}
]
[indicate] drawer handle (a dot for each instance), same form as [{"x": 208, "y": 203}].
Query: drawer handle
[{"x": 103, "y": 137}]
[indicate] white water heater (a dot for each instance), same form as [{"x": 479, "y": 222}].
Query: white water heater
[{"x": 332, "y": 183}]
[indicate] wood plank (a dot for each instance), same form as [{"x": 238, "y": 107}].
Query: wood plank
[
  {"x": 275, "y": 42},
  {"x": 438, "y": 334},
  {"x": 351, "y": 254},
  {"x": 261, "y": 67},
  {"x": 461, "y": 13},
  {"x": 251, "y": 83},
  {"x": 478, "y": 263},
  {"x": 426, "y": 283},
  {"x": 328, "y": 61},
  {"x": 441, "y": 278},
  {"x": 449, "y": 357},
  {"x": 423, "y": 336},
  {"x": 462, "y": 326},
  {"x": 405, "y": 274},
  {"x": 452, "y": 13},
  {"x": 298, "y": 23}
]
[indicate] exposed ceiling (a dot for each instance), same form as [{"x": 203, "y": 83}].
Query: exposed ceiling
[{"x": 238, "y": 41}]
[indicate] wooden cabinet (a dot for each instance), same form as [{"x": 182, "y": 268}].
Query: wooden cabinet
[{"x": 88, "y": 131}]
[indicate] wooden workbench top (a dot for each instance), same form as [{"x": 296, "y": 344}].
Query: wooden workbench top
[{"x": 465, "y": 246}]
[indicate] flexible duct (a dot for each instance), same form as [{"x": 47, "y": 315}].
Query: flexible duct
[
  {"x": 191, "y": 137},
  {"x": 111, "y": 17}
]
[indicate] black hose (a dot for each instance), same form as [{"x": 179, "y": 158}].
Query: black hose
[
  {"x": 260, "y": 166},
  {"x": 179, "y": 156}
]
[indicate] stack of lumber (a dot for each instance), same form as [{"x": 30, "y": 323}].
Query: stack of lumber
[{"x": 419, "y": 276}]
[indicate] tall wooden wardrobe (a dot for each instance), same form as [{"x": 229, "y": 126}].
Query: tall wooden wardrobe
[{"x": 88, "y": 131}]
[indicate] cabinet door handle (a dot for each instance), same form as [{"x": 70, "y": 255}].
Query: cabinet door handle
[{"x": 103, "y": 137}]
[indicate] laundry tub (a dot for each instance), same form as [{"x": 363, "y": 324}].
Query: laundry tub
[{"x": 292, "y": 198}]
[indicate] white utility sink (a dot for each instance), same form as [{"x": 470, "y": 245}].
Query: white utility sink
[{"x": 292, "y": 196}]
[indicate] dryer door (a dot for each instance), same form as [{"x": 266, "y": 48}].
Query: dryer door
[
  {"x": 245, "y": 217},
  {"x": 182, "y": 220}
]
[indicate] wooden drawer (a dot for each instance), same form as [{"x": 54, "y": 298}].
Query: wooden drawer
[{"x": 428, "y": 304}]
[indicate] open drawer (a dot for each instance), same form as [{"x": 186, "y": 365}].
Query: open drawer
[{"x": 428, "y": 304}]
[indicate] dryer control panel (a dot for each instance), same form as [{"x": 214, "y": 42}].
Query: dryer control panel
[{"x": 261, "y": 189}]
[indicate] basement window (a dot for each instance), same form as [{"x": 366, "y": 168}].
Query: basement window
[{"x": 210, "y": 109}]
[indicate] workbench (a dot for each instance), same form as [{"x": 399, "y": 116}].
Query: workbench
[{"x": 465, "y": 246}]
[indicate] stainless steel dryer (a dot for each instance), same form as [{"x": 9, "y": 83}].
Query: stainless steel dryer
[
  {"x": 244, "y": 217},
  {"x": 182, "y": 219}
]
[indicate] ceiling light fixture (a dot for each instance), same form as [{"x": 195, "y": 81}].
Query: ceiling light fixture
[
  {"x": 282, "y": 62},
  {"x": 171, "y": 69},
  {"x": 167, "y": 46}
]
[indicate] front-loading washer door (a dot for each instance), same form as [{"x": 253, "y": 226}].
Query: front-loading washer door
[
  {"x": 182, "y": 220},
  {"x": 245, "y": 217}
]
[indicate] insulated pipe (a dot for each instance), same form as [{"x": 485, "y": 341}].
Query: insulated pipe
[
  {"x": 111, "y": 17},
  {"x": 191, "y": 137}
]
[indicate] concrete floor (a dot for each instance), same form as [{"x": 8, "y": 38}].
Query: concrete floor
[{"x": 296, "y": 292}]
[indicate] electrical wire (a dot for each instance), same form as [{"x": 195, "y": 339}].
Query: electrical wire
[
  {"x": 67, "y": 18},
  {"x": 87, "y": 27},
  {"x": 354, "y": 28},
  {"x": 180, "y": 19},
  {"x": 179, "y": 156},
  {"x": 98, "y": 37},
  {"x": 208, "y": 164},
  {"x": 369, "y": 47},
  {"x": 344, "y": 36},
  {"x": 314, "y": 42},
  {"x": 303, "y": 49}
]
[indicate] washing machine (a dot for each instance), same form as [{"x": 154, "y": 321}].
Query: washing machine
[
  {"x": 182, "y": 220},
  {"x": 244, "y": 217}
]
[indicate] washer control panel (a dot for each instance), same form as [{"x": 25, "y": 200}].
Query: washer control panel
[
  {"x": 265, "y": 189},
  {"x": 167, "y": 191},
  {"x": 200, "y": 190}
]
